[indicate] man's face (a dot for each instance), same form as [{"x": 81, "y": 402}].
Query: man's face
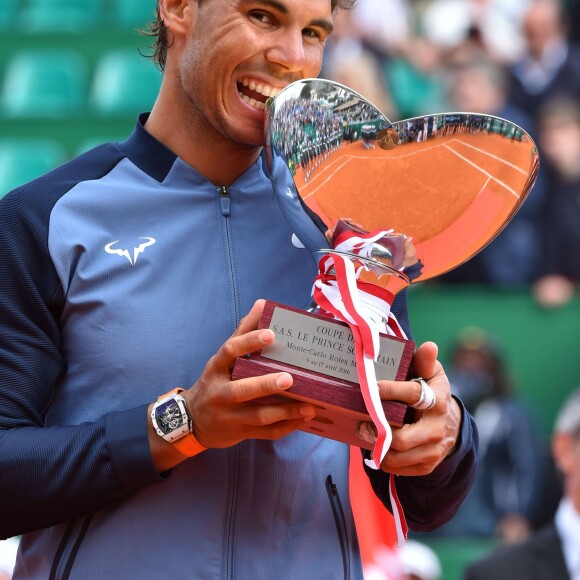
[
  {"x": 240, "y": 52},
  {"x": 560, "y": 140}
]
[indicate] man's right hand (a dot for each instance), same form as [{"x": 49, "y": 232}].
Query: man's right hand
[{"x": 224, "y": 411}]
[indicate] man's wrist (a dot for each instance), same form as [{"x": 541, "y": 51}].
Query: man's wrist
[
  {"x": 172, "y": 422},
  {"x": 459, "y": 410}
]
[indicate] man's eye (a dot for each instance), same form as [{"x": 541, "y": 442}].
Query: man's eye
[
  {"x": 311, "y": 33},
  {"x": 261, "y": 17}
]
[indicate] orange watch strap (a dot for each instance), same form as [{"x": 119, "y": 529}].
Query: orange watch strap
[{"x": 187, "y": 445}]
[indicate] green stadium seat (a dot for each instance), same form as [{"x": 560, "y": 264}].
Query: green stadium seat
[
  {"x": 8, "y": 13},
  {"x": 133, "y": 13},
  {"x": 125, "y": 83},
  {"x": 22, "y": 160},
  {"x": 61, "y": 15},
  {"x": 45, "y": 83}
]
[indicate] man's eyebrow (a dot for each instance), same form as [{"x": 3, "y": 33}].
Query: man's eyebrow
[{"x": 326, "y": 25}]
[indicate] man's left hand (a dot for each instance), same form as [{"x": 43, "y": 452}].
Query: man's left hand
[{"x": 419, "y": 447}]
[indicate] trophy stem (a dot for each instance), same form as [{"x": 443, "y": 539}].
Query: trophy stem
[{"x": 377, "y": 272}]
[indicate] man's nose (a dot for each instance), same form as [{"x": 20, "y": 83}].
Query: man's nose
[{"x": 288, "y": 51}]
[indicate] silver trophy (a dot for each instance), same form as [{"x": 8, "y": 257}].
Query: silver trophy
[{"x": 440, "y": 187}]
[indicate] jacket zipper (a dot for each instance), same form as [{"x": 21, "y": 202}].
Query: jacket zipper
[
  {"x": 233, "y": 452},
  {"x": 68, "y": 549},
  {"x": 225, "y": 206},
  {"x": 340, "y": 522},
  {"x": 225, "y": 201}
]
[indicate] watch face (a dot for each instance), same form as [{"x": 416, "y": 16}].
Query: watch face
[{"x": 169, "y": 417}]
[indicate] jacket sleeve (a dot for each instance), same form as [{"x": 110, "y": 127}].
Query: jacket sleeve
[{"x": 50, "y": 474}]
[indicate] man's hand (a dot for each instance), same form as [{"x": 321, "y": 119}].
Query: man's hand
[
  {"x": 224, "y": 411},
  {"x": 418, "y": 448}
]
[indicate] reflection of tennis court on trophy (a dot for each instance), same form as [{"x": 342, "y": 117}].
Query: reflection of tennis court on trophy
[{"x": 436, "y": 191}]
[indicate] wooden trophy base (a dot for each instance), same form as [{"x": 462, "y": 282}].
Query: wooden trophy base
[{"x": 319, "y": 354}]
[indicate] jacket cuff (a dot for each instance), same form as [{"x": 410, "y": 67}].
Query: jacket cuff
[{"x": 129, "y": 450}]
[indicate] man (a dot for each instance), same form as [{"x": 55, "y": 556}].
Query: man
[
  {"x": 509, "y": 479},
  {"x": 123, "y": 274},
  {"x": 559, "y": 139},
  {"x": 553, "y": 552},
  {"x": 550, "y": 66}
]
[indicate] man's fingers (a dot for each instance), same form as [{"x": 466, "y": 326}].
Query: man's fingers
[
  {"x": 268, "y": 415},
  {"x": 246, "y": 390},
  {"x": 240, "y": 345},
  {"x": 425, "y": 432},
  {"x": 405, "y": 391},
  {"x": 417, "y": 450},
  {"x": 251, "y": 320},
  {"x": 245, "y": 340},
  {"x": 414, "y": 462}
]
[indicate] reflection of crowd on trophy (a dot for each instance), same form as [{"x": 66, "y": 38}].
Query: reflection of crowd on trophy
[
  {"x": 441, "y": 125},
  {"x": 309, "y": 132}
]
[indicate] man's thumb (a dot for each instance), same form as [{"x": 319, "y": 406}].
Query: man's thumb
[{"x": 425, "y": 360}]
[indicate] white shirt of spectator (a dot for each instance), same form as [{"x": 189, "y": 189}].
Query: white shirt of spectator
[{"x": 568, "y": 526}]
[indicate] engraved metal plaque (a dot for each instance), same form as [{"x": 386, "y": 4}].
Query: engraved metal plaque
[{"x": 319, "y": 345}]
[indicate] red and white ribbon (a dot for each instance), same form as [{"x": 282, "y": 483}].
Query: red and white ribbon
[{"x": 366, "y": 308}]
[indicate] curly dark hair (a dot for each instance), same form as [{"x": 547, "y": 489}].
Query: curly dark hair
[{"x": 158, "y": 32}]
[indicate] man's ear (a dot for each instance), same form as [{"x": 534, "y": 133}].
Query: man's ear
[{"x": 177, "y": 15}]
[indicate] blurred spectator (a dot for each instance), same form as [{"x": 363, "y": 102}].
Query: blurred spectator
[
  {"x": 397, "y": 68},
  {"x": 492, "y": 25},
  {"x": 386, "y": 26},
  {"x": 478, "y": 84},
  {"x": 409, "y": 43},
  {"x": 573, "y": 16},
  {"x": 419, "y": 561},
  {"x": 554, "y": 551},
  {"x": 551, "y": 64},
  {"x": 559, "y": 124},
  {"x": 411, "y": 561},
  {"x": 349, "y": 61},
  {"x": 502, "y": 499}
]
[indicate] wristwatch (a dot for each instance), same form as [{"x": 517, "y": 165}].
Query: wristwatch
[{"x": 171, "y": 421}]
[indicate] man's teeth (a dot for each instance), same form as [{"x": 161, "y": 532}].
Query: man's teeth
[
  {"x": 260, "y": 87},
  {"x": 253, "y": 102}
]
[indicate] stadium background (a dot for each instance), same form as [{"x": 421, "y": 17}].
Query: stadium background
[{"x": 71, "y": 77}]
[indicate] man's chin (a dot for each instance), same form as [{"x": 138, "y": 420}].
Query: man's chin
[{"x": 250, "y": 139}]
